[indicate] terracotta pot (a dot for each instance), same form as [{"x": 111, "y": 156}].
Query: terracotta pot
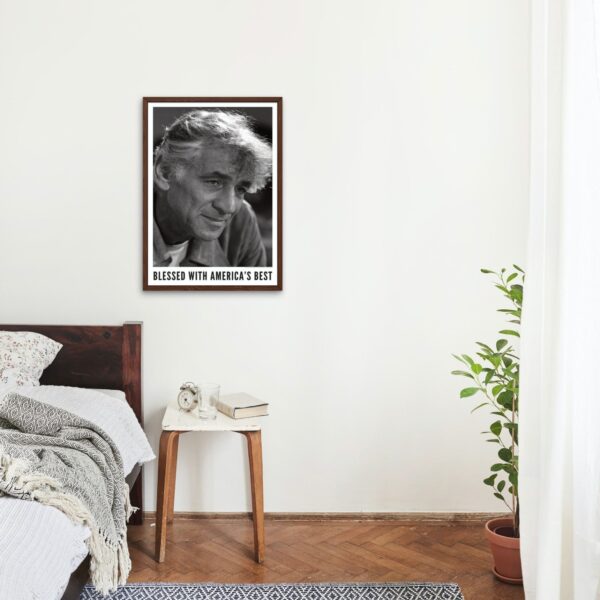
[{"x": 505, "y": 549}]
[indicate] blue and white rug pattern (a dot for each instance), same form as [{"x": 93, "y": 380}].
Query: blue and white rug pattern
[{"x": 299, "y": 591}]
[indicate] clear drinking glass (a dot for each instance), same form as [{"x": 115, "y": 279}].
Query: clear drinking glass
[{"x": 209, "y": 396}]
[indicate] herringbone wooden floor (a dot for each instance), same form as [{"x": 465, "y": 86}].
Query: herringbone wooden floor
[{"x": 220, "y": 550}]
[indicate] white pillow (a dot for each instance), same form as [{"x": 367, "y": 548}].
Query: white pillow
[
  {"x": 24, "y": 355},
  {"x": 118, "y": 394}
]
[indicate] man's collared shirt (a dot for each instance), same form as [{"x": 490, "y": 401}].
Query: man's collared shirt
[{"x": 240, "y": 245}]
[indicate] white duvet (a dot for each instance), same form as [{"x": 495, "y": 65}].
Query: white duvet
[{"x": 39, "y": 546}]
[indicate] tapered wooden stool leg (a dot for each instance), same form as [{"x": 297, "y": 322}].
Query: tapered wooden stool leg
[
  {"x": 254, "y": 440},
  {"x": 173, "y": 472},
  {"x": 166, "y": 468}
]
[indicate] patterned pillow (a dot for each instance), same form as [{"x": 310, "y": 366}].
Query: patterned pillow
[{"x": 24, "y": 355}]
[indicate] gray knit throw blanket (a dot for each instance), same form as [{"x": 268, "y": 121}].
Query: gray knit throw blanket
[{"x": 54, "y": 457}]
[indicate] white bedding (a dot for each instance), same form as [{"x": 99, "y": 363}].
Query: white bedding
[
  {"x": 39, "y": 549},
  {"x": 39, "y": 546}
]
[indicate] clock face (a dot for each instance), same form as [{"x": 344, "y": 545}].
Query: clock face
[{"x": 186, "y": 399}]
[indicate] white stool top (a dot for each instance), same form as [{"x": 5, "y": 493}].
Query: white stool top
[{"x": 177, "y": 420}]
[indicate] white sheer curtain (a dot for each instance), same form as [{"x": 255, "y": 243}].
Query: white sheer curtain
[{"x": 560, "y": 391}]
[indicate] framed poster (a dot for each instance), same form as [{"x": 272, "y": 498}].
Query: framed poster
[{"x": 212, "y": 194}]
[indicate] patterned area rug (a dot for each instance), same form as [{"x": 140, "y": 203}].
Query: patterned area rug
[{"x": 300, "y": 591}]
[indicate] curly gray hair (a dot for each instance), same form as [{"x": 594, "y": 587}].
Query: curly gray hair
[{"x": 193, "y": 130}]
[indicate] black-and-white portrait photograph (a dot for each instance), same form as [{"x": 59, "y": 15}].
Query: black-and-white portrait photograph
[{"x": 212, "y": 194}]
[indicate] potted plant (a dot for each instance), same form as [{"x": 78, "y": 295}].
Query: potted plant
[{"x": 494, "y": 378}]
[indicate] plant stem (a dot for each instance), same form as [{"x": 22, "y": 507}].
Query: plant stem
[{"x": 512, "y": 450}]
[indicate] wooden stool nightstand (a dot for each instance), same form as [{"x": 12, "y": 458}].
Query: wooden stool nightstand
[{"x": 174, "y": 424}]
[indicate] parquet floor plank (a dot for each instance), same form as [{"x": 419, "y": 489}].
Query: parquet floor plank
[
  {"x": 221, "y": 550},
  {"x": 372, "y": 566},
  {"x": 415, "y": 555},
  {"x": 395, "y": 564},
  {"x": 453, "y": 560},
  {"x": 356, "y": 534},
  {"x": 241, "y": 563},
  {"x": 321, "y": 556},
  {"x": 396, "y": 533},
  {"x": 412, "y": 565},
  {"x": 302, "y": 563}
]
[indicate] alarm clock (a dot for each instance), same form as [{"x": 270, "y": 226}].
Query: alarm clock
[{"x": 187, "y": 398}]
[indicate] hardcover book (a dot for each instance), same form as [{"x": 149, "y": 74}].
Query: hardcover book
[{"x": 242, "y": 406}]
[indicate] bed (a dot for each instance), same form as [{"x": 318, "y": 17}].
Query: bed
[{"x": 106, "y": 363}]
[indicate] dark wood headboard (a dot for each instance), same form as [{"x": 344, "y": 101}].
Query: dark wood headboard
[{"x": 100, "y": 357}]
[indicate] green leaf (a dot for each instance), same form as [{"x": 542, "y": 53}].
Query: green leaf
[
  {"x": 499, "y": 496},
  {"x": 467, "y": 392},
  {"x": 478, "y": 407},
  {"x": 519, "y": 269},
  {"x": 488, "y": 376},
  {"x": 507, "y": 361},
  {"x": 505, "y": 399},
  {"x": 468, "y": 359},
  {"x": 496, "y": 427},
  {"x": 513, "y": 478},
  {"x": 500, "y": 344},
  {"x": 484, "y": 346},
  {"x": 511, "y": 277},
  {"x": 501, "y": 485},
  {"x": 490, "y": 480},
  {"x": 462, "y": 360},
  {"x": 505, "y": 454},
  {"x": 497, "y": 467},
  {"x": 489, "y": 358},
  {"x": 509, "y": 332},
  {"x": 476, "y": 368},
  {"x": 496, "y": 359},
  {"x": 513, "y": 429},
  {"x": 516, "y": 293},
  {"x": 496, "y": 441},
  {"x": 463, "y": 373},
  {"x": 487, "y": 271},
  {"x": 497, "y": 389},
  {"x": 510, "y": 311}
]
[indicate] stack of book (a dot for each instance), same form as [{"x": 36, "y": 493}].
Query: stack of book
[{"x": 242, "y": 406}]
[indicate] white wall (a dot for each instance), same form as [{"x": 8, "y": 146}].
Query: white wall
[{"x": 405, "y": 147}]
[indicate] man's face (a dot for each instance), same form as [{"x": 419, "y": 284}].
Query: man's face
[{"x": 204, "y": 194}]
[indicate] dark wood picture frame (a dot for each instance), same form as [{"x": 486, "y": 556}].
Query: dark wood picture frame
[{"x": 278, "y": 189}]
